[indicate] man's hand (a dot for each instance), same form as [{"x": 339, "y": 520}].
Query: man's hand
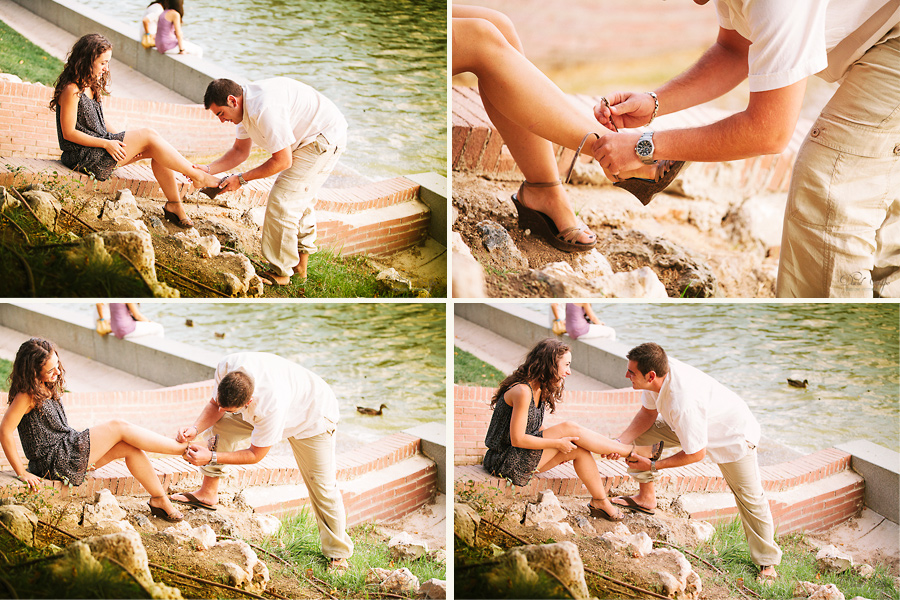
[
  {"x": 186, "y": 434},
  {"x": 625, "y": 109},
  {"x": 30, "y": 479},
  {"x": 638, "y": 463},
  {"x": 198, "y": 455},
  {"x": 615, "y": 152},
  {"x": 230, "y": 184}
]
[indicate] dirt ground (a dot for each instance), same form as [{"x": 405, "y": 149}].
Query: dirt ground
[{"x": 741, "y": 271}]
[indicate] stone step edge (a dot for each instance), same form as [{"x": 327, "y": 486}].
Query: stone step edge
[
  {"x": 815, "y": 506},
  {"x": 139, "y": 179},
  {"x": 704, "y": 477},
  {"x": 272, "y": 470},
  {"x": 389, "y": 493}
]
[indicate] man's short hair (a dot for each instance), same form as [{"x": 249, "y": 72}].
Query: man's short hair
[
  {"x": 235, "y": 390},
  {"x": 218, "y": 90},
  {"x": 650, "y": 357}
]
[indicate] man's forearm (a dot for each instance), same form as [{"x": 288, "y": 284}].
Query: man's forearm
[
  {"x": 680, "y": 459},
  {"x": 718, "y": 71},
  {"x": 239, "y": 457},
  {"x": 640, "y": 424},
  {"x": 227, "y": 161}
]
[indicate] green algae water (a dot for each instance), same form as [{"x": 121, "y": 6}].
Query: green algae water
[
  {"x": 383, "y": 63},
  {"x": 370, "y": 353},
  {"x": 849, "y": 353}
]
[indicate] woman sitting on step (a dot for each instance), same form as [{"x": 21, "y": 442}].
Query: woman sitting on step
[
  {"x": 530, "y": 112},
  {"x": 518, "y": 444},
  {"x": 90, "y": 147},
  {"x": 55, "y": 450}
]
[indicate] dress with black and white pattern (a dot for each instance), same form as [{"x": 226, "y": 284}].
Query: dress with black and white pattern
[{"x": 86, "y": 159}]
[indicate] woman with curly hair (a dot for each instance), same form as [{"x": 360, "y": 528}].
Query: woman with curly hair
[
  {"x": 90, "y": 147},
  {"x": 518, "y": 444},
  {"x": 55, "y": 450}
]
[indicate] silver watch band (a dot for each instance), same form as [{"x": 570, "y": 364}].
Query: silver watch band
[
  {"x": 214, "y": 460},
  {"x": 655, "y": 107},
  {"x": 243, "y": 181}
]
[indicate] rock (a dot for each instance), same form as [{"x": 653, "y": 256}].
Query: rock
[
  {"x": 127, "y": 548},
  {"x": 244, "y": 280},
  {"x": 863, "y": 570},
  {"x": 254, "y": 217},
  {"x": 694, "y": 279},
  {"x": 375, "y": 575},
  {"x": 633, "y": 545},
  {"x": 394, "y": 281},
  {"x": 76, "y": 560},
  {"x": 592, "y": 264},
  {"x": 404, "y": 547},
  {"x": 678, "y": 579},
  {"x": 104, "y": 508},
  {"x": 525, "y": 564},
  {"x": 439, "y": 555},
  {"x": 504, "y": 253},
  {"x": 465, "y": 523},
  {"x": 702, "y": 530},
  {"x": 180, "y": 533},
  {"x": 123, "y": 206},
  {"x": 7, "y": 202},
  {"x": 129, "y": 224},
  {"x": 759, "y": 220},
  {"x": 188, "y": 239},
  {"x": 242, "y": 566},
  {"x": 859, "y": 598},
  {"x": 204, "y": 536},
  {"x": 827, "y": 592},
  {"x": 136, "y": 246},
  {"x": 157, "y": 225},
  {"x": 805, "y": 588},
  {"x": 435, "y": 589},
  {"x": 20, "y": 521},
  {"x": 547, "y": 509},
  {"x": 639, "y": 544},
  {"x": 121, "y": 525},
  {"x": 226, "y": 236},
  {"x": 45, "y": 206},
  {"x": 268, "y": 525},
  {"x": 830, "y": 560},
  {"x": 209, "y": 246},
  {"x": 145, "y": 523},
  {"x": 565, "y": 282},
  {"x": 468, "y": 277},
  {"x": 10, "y": 77},
  {"x": 401, "y": 581},
  {"x": 556, "y": 531},
  {"x": 584, "y": 525}
]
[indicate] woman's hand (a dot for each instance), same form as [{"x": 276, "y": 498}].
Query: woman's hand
[
  {"x": 565, "y": 444},
  {"x": 30, "y": 479},
  {"x": 116, "y": 149}
]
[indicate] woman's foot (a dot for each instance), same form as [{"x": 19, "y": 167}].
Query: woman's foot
[
  {"x": 202, "y": 179},
  {"x": 604, "y": 509},
  {"x": 161, "y": 506},
  {"x": 174, "y": 213},
  {"x": 652, "y": 452},
  {"x": 553, "y": 202}
]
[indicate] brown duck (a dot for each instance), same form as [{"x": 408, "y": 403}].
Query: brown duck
[
  {"x": 797, "y": 383},
  {"x": 371, "y": 411}
]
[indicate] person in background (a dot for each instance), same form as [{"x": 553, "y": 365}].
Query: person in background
[
  {"x": 127, "y": 322},
  {"x": 169, "y": 37},
  {"x": 149, "y": 22},
  {"x": 582, "y": 322}
]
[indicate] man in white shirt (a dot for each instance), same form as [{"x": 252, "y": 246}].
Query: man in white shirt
[
  {"x": 305, "y": 133},
  {"x": 268, "y": 398},
  {"x": 706, "y": 419},
  {"x": 841, "y": 234}
]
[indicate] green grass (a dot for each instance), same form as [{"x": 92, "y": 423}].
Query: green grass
[
  {"x": 20, "y": 57},
  {"x": 467, "y": 369},
  {"x": 298, "y": 543},
  {"x": 5, "y": 369},
  {"x": 729, "y": 552}
]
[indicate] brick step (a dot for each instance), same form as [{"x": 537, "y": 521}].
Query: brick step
[
  {"x": 478, "y": 148},
  {"x": 377, "y": 218},
  {"x": 271, "y": 471},
  {"x": 384, "y": 494},
  {"x": 817, "y": 486}
]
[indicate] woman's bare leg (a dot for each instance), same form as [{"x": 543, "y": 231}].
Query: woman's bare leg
[
  {"x": 149, "y": 144},
  {"x": 593, "y": 441},
  {"x": 166, "y": 179},
  {"x": 586, "y": 469},
  {"x": 139, "y": 465},
  {"x": 107, "y": 435}
]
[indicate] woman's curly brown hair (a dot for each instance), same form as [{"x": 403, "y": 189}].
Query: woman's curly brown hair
[
  {"x": 541, "y": 366},
  {"x": 80, "y": 66},
  {"x": 26, "y": 372}
]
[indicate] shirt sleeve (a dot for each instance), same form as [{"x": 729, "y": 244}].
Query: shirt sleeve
[
  {"x": 648, "y": 400},
  {"x": 274, "y": 125}
]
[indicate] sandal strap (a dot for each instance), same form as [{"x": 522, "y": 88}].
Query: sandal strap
[
  {"x": 570, "y": 234},
  {"x": 577, "y": 153},
  {"x": 543, "y": 184}
]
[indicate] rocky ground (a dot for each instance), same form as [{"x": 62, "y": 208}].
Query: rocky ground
[
  {"x": 700, "y": 241},
  {"x": 558, "y": 536},
  {"x": 221, "y": 546}
]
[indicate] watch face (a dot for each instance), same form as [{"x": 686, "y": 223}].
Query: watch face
[{"x": 644, "y": 148}]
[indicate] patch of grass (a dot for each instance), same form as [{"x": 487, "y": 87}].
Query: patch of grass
[
  {"x": 472, "y": 370},
  {"x": 20, "y": 57},
  {"x": 298, "y": 542},
  {"x": 5, "y": 369},
  {"x": 728, "y": 550}
]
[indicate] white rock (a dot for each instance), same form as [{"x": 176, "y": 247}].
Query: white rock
[
  {"x": 863, "y": 570},
  {"x": 255, "y": 216},
  {"x": 556, "y": 531},
  {"x": 434, "y": 589},
  {"x": 20, "y": 521},
  {"x": 404, "y": 546},
  {"x": 523, "y": 563},
  {"x": 401, "y": 581},
  {"x": 592, "y": 264},
  {"x": 702, "y": 530},
  {"x": 210, "y": 246},
  {"x": 639, "y": 544},
  {"x": 104, "y": 508},
  {"x": 547, "y": 509},
  {"x": 204, "y": 536},
  {"x": 269, "y": 525},
  {"x": 45, "y": 206},
  {"x": 120, "y": 525},
  {"x": 124, "y": 206},
  {"x": 465, "y": 523},
  {"x": 375, "y": 575},
  {"x": 584, "y": 525},
  {"x": 10, "y": 77},
  {"x": 127, "y": 548},
  {"x": 468, "y": 277},
  {"x": 129, "y": 224},
  {"x": 827, "y": 592},
  {"x": 832, "y": 560}
]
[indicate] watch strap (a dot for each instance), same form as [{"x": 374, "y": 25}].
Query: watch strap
[
  {"x": 655, "y": 107},
  {"x": 241, "y": 179}
]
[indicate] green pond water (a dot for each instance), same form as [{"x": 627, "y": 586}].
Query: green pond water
[
  {"x": 370, "y": 353},
  {"x": 383, "y": 63},
  {"x": 849, "y": 353}
]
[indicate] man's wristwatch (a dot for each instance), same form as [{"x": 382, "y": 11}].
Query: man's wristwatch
[
  {"x": 655, "y": 106},
  {"x": 653, "y": 466},
  {"x": 214, "y": 460},
  {"x": 644, "y": 148},
  {"x": 241, "y": 179}
]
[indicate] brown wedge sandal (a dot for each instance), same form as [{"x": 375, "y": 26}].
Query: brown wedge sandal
[{"x": 543, "y": 226}]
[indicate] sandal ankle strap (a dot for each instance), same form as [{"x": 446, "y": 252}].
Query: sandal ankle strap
[
  {"x": 543, "y": 184},
  {"x": 568, "y": 176}
]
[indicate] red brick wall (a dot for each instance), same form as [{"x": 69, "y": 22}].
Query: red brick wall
[
  {"x": 28, "y": 126},
  {"x": 607, "y": 412}
]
